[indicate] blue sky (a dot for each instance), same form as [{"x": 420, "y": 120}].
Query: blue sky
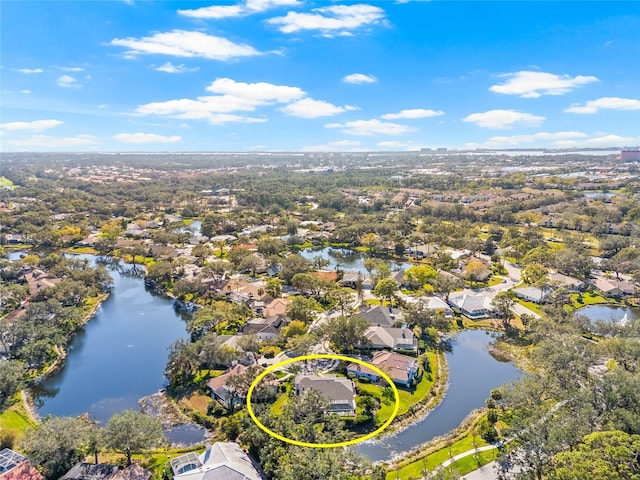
[{"x": 254, "y": 75}]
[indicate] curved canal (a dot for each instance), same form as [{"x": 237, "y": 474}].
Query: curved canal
[{"x": 473, "y": 373}]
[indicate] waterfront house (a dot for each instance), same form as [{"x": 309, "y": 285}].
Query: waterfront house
[
  {"x": 339, "y": 391},
  {"x": 221, "y": 391},
  {"x": 353, "y": 279},
  {"x": 39, "y": 280},
  {"x": 613, "y": 287},
  {"x": 220, "y": 461},
  {"x": 436, "y": 304},
  {"x": 100, "y": 471},
  {"x": 472, "y": 306},
  {"x": 400, "y": 368},
  {"x": 90, "y": 471},
  {"x": 14, "y": 466}
]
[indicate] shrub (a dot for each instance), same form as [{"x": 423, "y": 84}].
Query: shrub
[
  {"x": 492, "y": 416},
  {"x": 487, "y": 431}
]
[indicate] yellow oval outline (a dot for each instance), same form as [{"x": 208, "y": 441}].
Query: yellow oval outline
[{"x": 354, "y": 441}]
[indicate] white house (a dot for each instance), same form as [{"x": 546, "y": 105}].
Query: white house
[
  {"x": 473, "y": 306},
  {"x": 220, "y": 461}
]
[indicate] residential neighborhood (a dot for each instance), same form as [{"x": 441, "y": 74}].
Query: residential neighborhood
[{"x": 393, "y": 277}]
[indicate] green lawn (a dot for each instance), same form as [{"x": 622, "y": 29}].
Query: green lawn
[
  {"x": 277, "y": 406},
  {"x": 407, "y": 398},
  {"x": 588, "y": 299},
  {"x": 414, "y": 469},
  {"x": 14, "y": 421},
  {"x": 5, "y": 182},
  {"x": 206, "y": 374},
  {"x": 470, "y": 463},
  {"x": 531, "y": 306},
  {"x": 155, "y": 462}
]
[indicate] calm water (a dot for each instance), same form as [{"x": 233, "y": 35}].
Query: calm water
[
  {"x": 117, "y": 358},
  {"x": 610, "y": 313},
  {"x": 344, "y": 259},
  {"x": 473, "y": 373},
  {"x": 15, "y": 254}
]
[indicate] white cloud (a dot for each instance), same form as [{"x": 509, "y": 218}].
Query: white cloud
[
  {"x": 612, "y": 140},
  {"x": 68, "y": 81},
  {"x": 371, "y": 127},
  {"x": 530, "y": 84},
  {"x": 259, "y": 92},
  {"x": 608, "y": 140},
  {"x": 29, "y": 70},
  {"x": 71, "y": 69},
  {"x": 25, "y": 91},
  {"x": 53, "y": 142},
  {"x": 182, "y": 43},
  {"x": 221, "y": 118},
  {"x": 215, "y": 11},
  {"x": 345, "y": 143},
  {"x": 568, "y": 139},
  {"x": 613, "y": 103},
  {"x": 393, "y": 144},
  {"x": 146, "y": 138},
  {"x": 340, "y": 145},
  {"x": 241, "y": 9},
  {"x": 34, "y": 125},
  {"x": 309, "y": 108},
  {"x": 235, "y": 96},
  {"x": 169, "y": 67},
  {"x": 536, "y": 138},
  {"x": 504, "y": 119},
  {"x": 412, "y": 113},
  {"x": 359, "y": 78},
  {"x": 334, "y": 19}
]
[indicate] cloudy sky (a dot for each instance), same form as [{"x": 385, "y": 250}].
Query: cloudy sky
[{"x": 249, "y": 75}]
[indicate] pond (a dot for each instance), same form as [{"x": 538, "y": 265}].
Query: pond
[
  {"x": 602, "y": 195},
  {"x": 118, "y": 357},
  {"x": 610, "y": 313},
  {"x": 344, "y": 259},
  {"x": 193, "y": 228},
  {"x": 16, "y": 255},
  {"x": 473, "y": 373}
]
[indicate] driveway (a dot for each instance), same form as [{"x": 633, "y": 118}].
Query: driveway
[
  {"x": 522, "y": 310},
  {"x": 486, "y": 472}
]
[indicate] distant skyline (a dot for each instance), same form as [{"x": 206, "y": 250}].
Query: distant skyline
[{"x": 294, "y": 75}]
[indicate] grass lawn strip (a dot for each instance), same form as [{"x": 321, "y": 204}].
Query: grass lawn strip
[
  {"x": 433, "y": 460},
  {"x": 14, "y": 421}
]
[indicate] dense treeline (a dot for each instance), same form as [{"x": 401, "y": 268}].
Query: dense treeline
[{"x": 39, "y": 334}]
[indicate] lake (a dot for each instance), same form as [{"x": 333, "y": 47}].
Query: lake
[
  {"x": 117, "y": 358},
  {"x": 473, "y": 373},
  {"x": 609, "y": 313},
  {"x": 344, "y": 259}
]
